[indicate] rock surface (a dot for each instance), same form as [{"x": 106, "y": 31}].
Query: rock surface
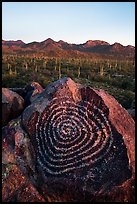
[
  {"x": 131, "y": 110},
  {"x": 32, "y": 91},
  {"x": 29, "y": 92},
  {"x": 20, "y": 91},
  {"x": 16, "y": 187},
  {"x": 12, "y": 105},
  {"x": 74, "y": 143}
]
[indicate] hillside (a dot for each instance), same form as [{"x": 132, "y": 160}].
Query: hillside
[{"x": 49, "y": 47}]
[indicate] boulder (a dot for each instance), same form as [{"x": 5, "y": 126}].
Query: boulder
[
  {"x": 16, "y": 187},
  {"x": 32, "y": 90},
  {"x": 75, "y": 143},
  {"x": 20, "y": 91},
  {"x": 12, "y": 105}
]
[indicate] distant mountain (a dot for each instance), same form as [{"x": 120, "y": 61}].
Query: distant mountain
[
  {"x": 12, "y": 43},
  {"x": 61, "y": 48},
  {"x": 92, "y": 43}
]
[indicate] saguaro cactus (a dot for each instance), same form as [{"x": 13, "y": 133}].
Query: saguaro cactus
[
  {"x": 56, "y": 61},
  {"x": 101, "y": 70},
  {"x": 59, "y": 70},
  {"x": 78, "y": 71},
  {"x": 45, "y": 63},
  {"x": 36, "y": 68},
  {"x": 116, "y": 64},
  {"x": 15, "y": 71},
  {"x": 8, "y": 66},
  {"x": 10, "y": 71},
  {"x": 26, "y": 66}
]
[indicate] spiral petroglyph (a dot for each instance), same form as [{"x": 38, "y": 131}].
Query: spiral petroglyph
[
  {"x": 71, "y": 135},
  {"x": 72, "y": 142}
]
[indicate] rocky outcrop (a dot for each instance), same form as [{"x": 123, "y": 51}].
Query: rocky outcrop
[
  {"x": 12, "y": 105},
  {"x": 74, "y": 143}
]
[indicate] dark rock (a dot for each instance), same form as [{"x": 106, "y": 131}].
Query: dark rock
[
  {"x": 12, "y": 105},
  {"x": 131, "y": 110},
  {"x": 132, "y": 113},
  {"x": 29, "y": 92},
  {"x": 75, "y": 144},
  {"x": 20, "y": 91},
  {"x": 32, "y": 90}
]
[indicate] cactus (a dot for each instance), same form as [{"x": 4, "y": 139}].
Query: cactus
[
  {"x": 116, "y": 64},
  {"x": 26, "y": 66},
  {"x": 10, "y": 71},
  {"x": 45, "y": 63},
  {"x": 15, "y": 71},
  {"x": 59, "y": 70},
  {"x": 8, "y": 66},
  {"x": 101, "y": 70},
  {"x": 110, "y": 66},
  {"x": 78, "y": 71},
  {"x": 109, "y": 77},
  {"x": 36, "y": 68},
  {"x": 56, "y": 61}
]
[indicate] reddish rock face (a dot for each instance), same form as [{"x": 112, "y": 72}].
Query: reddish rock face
[
  {"x": 76, "y": 143},
  {"x": 12, "y": 105},
  {"x": 123, "y": 123},
  {"x": 16, "y": 187}
]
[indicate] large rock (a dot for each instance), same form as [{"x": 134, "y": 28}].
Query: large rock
[
  {"x": 75, "y": 143},
  {"x": 12, "y": 105},
  {"x": 29, "y": 92},
  {"x": 16, "y": 187},
  {"x": 20, "y": 91},
  {"x": 32, "y": 91}
]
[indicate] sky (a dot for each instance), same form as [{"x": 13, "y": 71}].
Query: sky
[{"x": 72, "y": 22}]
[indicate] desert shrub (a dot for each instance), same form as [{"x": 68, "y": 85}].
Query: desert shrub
[{"x": 123, "y": 89}]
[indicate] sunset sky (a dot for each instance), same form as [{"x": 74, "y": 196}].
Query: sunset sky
[{"x": 73, "y": 22}]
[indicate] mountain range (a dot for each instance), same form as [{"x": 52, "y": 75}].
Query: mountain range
[{"x": 90, "y": 48}]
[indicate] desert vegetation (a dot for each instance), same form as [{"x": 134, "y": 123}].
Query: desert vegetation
[{"x": 115, "y": 76}]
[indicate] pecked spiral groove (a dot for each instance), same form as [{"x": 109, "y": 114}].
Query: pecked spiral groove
[{"x": 71, "y": 135}]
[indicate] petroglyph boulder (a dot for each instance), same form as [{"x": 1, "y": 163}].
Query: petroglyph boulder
[{"x": 75, "y": 143}]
